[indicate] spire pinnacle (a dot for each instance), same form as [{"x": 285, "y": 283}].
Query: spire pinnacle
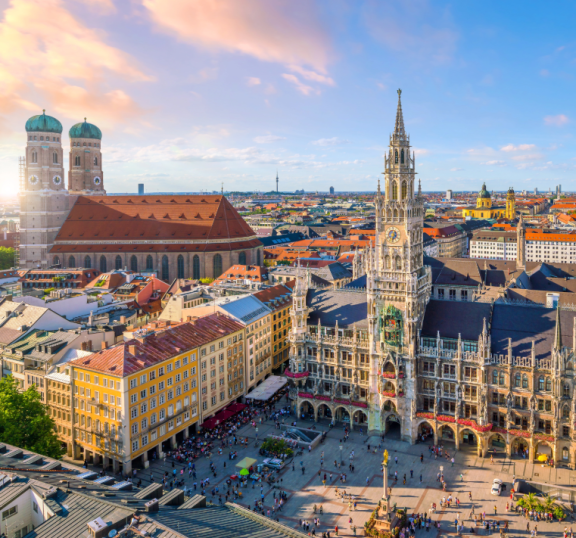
[
  {"x": 399, "y": 126},
  {"x": 558, "y": 335}
]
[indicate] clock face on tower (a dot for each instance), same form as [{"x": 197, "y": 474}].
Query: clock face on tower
[{"x": 393, "y": 235}]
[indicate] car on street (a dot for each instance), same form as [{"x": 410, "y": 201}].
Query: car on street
[
  {"x": 274, "y": 463},
  {"x": 496, "y": 487}
]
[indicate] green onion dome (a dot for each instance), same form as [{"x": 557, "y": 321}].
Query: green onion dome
[
  {"x": 484, "y": 193},
  {"x": 85, "y": 130},
  {"x": 43, "y": 124}
]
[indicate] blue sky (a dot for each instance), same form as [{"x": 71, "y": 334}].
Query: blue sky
[{"x": 192, "y": 94}]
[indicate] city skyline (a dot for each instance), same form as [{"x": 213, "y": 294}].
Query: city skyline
[{"x": 190, "y": 94}]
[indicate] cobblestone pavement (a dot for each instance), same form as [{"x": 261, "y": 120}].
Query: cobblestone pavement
[{"x": 304, "y": 489}]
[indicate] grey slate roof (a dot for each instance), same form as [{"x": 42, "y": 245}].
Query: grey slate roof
[
  {"x": 346, "y": 307},
  {"x": 78, "y": 510},
  {"x": 455, "y": 317},
  {"x": 215, "y": 522},
  {"x": 524, "y": 324},
  {"x": 359, "y": 283},
  {"x": 332, "y": 272}
]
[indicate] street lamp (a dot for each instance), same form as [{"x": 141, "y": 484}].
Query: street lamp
[{"x": 341, "y": 460}]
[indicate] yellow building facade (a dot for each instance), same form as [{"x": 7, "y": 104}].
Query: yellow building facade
[
  {"x": 484, "y": 208},
  {"x": 141, "y": 397},
  {"x": 279, "y": 299}
]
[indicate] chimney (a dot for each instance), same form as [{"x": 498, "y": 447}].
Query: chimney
[
  {"x": 122, "y": 319},
  {"x": 84, "y": 346},
  {"x": 152, "y": 506},
  {"x": 132, "y": 350},
  {"x": 104, "y": 345}
]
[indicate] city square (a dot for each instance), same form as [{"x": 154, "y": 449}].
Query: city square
[{"x": 470, "y": 474}]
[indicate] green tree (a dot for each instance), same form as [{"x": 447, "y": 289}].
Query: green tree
[
  {"x": 6, "y": 258},
  {"x": 548, "y": 503},
  {"x": 530, "y": 502},
  {"x": 24, "y": 420}
]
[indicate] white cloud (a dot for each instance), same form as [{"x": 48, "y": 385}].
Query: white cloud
[
  {"x": 485, "y": 151},
  {"x": 300, "y": 86},
  {"x": 311, "y": 75},
  {"x": 557, "y": 121},
  {"x": 421, "y": 151},
  {"x": 381, "y": 86},
  {"x": 284, "y": 31},
  {"x": 496, "y": 163},
  {"x": 268, "y": 139},
  {"x": 528, "y": 157},
  {"x": 456, "y": 169},
  {"x": 253, "y": 81},
  {"x": 520, "y": 147},
  {"x": 334, "y": 141},
  {"x": 38, "y": 71},
  {"x": 184, "y": 150}
]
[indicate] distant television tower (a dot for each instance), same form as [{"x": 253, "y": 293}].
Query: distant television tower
[{"x": 277, "y": 182}]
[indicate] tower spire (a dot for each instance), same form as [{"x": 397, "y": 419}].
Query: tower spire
[
  {"x": 399, "y": 126},
  {"x": 558, "y": 335},
  {"x": 276, "y": 181}
]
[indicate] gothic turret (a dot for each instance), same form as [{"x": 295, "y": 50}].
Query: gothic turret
[{"x": 521, "y": 245}]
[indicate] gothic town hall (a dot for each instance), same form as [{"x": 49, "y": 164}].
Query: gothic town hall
[{"x": 391, "y": 354}]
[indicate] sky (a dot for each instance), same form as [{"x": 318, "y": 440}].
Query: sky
[{"x": 193, "y": 94}]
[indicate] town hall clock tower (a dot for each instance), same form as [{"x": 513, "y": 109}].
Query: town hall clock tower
[{"x": 398, "y": 284}]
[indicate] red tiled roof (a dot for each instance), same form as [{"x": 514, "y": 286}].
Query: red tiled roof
[
  {"x": 318, "y": 243},
  {"x": 275, "y": 292},
  {"x": 254, "y": 273},
  {"x": 441, "y": 232},
  {"x": 144, "y": 218},
  {"x": 134, "y": 355}
]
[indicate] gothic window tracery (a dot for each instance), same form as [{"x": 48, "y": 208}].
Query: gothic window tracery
[
  {"x": 396, "y": 156},
  {"x": 402, "y": 156},
  {"x": 394, "y": 191}
]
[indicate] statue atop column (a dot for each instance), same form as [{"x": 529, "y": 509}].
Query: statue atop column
[{"x": 385, "y": 496}]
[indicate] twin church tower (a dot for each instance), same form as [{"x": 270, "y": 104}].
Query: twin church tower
[{"x": 44, "y": 199}]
